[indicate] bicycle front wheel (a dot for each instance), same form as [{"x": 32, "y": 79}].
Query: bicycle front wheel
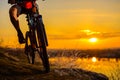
[{"x": 42, "y": 45}]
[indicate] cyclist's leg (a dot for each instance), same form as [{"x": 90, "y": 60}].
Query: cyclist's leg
[{"x": 14, "y": 12}]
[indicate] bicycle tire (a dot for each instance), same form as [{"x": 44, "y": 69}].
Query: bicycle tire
[
  {"x": 29, "y": 51},
  {"x": 42, "y": 45}
]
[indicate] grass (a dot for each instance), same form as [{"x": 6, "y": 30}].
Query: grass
[{"x": 108, "y": 64}]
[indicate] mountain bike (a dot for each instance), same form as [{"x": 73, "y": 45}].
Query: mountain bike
[{"x": 36, "y": 39}]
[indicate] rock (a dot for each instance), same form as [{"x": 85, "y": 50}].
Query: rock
[{"x": 80, "y": 74}]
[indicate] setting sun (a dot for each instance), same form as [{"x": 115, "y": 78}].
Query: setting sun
[{"x": 93, "y": 39}]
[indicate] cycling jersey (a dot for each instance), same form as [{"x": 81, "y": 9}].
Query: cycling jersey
[{"x": 27, "y": 4}]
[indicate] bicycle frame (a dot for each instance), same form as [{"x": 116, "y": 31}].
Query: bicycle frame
[
  {"x": 32, "y": 22},
  {"x": 38, "y": 40}
]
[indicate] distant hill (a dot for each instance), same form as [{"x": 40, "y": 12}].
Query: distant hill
[{"x": 100, "y": 53}]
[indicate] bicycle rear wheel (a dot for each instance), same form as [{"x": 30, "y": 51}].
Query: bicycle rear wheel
[
  {"x": 29, "y": 50},
  {"x": 42, "y": 45}
]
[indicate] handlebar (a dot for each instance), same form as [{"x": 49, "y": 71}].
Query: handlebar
[{"x": 22, "y": 0}]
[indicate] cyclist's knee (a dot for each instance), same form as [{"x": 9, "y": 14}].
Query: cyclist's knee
[{"x": 14, "y": 11}]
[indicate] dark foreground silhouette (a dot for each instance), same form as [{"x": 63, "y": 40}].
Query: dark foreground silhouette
[{"x": 14, "y": 66}]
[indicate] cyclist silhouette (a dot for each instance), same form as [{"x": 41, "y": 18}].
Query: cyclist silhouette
[
  {"x": 35, "y": 39},
  {"x": 18, "y": 8}
]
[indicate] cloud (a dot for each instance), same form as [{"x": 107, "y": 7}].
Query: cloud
[
  {"x": 84, "y": 34},
  {"x": 110, "y": 35},
  {"x": 63, "y": 37},
  {"x": 89, "y": 34}
]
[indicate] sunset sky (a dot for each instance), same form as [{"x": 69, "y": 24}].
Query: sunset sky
[{"x": 70, "y": 24}]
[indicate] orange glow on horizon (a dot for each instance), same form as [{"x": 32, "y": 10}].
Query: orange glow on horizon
[{"x": 76, "y": 24}]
